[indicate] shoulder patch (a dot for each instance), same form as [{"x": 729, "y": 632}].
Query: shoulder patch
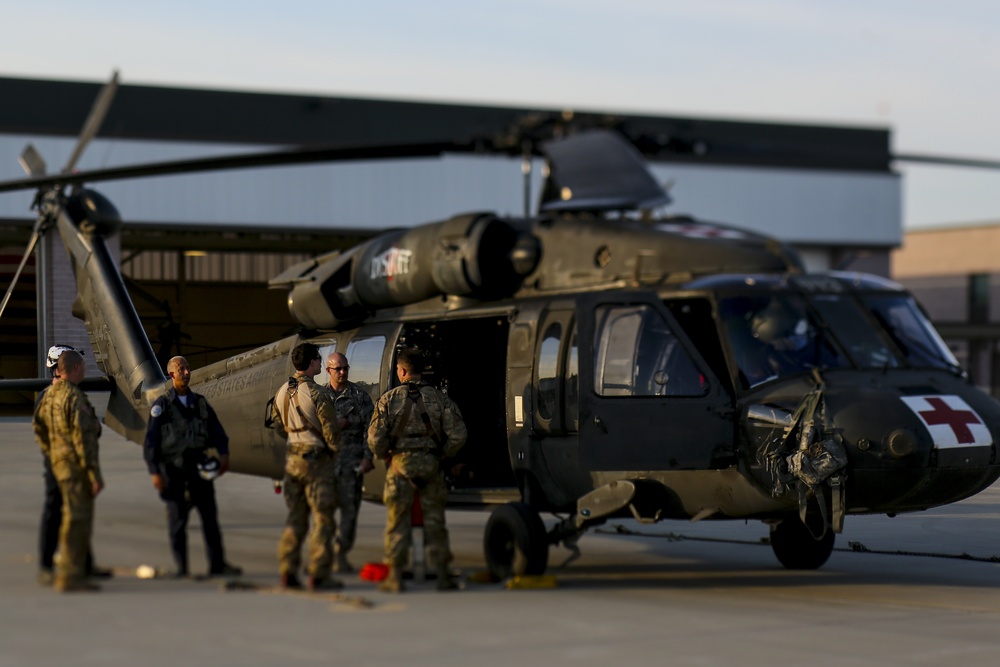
[{"x": 156, "y": 411}]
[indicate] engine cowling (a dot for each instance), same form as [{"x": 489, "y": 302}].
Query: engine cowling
[{"x": 476, "y": 255}]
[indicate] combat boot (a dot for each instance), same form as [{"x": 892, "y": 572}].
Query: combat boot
[
  {"x": 393, "y": 583},
  {"x": 64, "y": 585},
  {"x": 444, "y": 580},
  {"x": 290, "y": 581},
  {"x": 341, "y": 565},
  {"x": 317, "y": 584}
]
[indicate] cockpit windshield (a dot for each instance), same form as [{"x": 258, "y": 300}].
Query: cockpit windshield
[
  {"x": 781, "y": 334},
  {"x": 775, "y": 336},
  {"x": 916, "y": 338}
]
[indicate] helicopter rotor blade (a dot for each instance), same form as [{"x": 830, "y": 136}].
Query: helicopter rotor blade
[
  {"x": 35, "y": 235},
  {"x": 948, "y": 160},
  {"x": 244, "y": 161},
  {"x": 94, "y": 120}
]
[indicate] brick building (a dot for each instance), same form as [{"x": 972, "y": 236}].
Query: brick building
[{"x": 955, "y": 273}]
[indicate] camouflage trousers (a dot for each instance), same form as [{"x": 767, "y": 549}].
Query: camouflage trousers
[
  {"x": 315, "y": 496},
  {"x": 76, "y": 528},
  {"x": 349, "y": 494},
  {"x": 398, "y": 497}
]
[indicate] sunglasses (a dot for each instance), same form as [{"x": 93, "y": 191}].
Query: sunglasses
[{"x": 337, "y": 369}]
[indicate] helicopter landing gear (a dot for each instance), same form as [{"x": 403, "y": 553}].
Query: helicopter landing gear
[
  {"x": 515, "y": 542},
  {"x": 797, "y": 548}
]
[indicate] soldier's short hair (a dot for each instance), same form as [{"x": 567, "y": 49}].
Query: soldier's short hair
[
  {"x": 69, "y": 360},
  {"x": 174, "y": 363},
  {"x": 412, "y": 359},
  {"x": 303, "y": 355}
]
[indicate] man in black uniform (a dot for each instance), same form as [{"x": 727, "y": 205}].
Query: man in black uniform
[
  {"x": 183, "y": 436},
  {"x": 48, "y": 534}
]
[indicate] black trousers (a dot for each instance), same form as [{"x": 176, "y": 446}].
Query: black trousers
[
  {"x": 48, "y": 533},
  {"x": 186, "y": 489}
]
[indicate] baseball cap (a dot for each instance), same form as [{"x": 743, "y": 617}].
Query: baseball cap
[{"x": 52, "y": 359}]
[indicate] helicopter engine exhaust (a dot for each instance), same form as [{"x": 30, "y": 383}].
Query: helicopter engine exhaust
[{"x": 475, "y": 255}]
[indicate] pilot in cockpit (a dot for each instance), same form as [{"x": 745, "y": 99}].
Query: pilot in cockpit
[{"x": 770, "y": 341}]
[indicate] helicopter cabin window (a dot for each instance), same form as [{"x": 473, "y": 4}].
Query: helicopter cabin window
[
  {"x": 326, "y": 348},
  {"x": 573, "y": 385},
  {"x": 556, "y": 377},
  {"x": 638, "y": 355},
  {"x": 548, "y": 372},
  {"x": 365, "y": 358}
]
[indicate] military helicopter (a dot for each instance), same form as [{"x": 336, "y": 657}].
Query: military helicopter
[{"x": 608, "y": 362}]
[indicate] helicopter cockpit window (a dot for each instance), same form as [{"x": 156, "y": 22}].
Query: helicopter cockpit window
[
  {"x": 776, "y": 336},
  {"x": 365, "y": 357},
  {"x": 638, "y": 355},
  {"x": 548, "y": 372},
  {"x": 909, "y": 329},
  {"x": 850, "y": 325}
]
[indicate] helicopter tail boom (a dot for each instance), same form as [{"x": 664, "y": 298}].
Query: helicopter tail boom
[{"x": 119, "y": 342}]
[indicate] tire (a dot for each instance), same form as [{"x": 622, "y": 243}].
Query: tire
[
  {"x": 796, "y": 548},
  {"x": 515, "y": 542}
]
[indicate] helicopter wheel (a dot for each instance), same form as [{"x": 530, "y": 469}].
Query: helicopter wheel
[
  {"x": 796, "y": 548},
  {"x": 515, "y": 542}
]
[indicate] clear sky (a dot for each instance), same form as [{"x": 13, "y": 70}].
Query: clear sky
[{"x": 926, "y": 69}]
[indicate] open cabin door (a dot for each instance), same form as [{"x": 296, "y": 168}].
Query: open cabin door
[{"x": 648, "y": 400}]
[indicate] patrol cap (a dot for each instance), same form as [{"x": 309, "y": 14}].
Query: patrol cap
[{"x": 52, "y": 359}]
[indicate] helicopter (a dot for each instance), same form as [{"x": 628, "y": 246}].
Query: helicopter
[{"x": 608, "y": 363}]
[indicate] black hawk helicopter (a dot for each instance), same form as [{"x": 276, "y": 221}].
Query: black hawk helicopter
[{"x": 608, "y": 362}]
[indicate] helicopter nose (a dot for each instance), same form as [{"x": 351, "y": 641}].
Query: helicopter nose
[{"x": 914, "y": 452}]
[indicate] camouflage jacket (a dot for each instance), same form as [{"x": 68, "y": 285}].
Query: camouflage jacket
[
  {"x": 416, "y": 445},
  {"x": 305, "y": 415},
  {"x": 354, "y": 405},
  {"x": 67, "y": 430}
]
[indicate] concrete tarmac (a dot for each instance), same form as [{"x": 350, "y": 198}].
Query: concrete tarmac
[{"x": 918, "y": 589}]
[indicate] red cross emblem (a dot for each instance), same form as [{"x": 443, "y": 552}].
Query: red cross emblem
[
  {"x": 702, "y": 230},
  {"x": 958, "y": 420},
  {"x": 950, "y": 420}
]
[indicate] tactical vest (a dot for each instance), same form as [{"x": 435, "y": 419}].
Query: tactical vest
[
  {"x": 295, "y": 406},
  {"x": 402, "y": 440},
  {"x": 180, "y": 432}
]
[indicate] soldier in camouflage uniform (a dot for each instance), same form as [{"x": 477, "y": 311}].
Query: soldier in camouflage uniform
[
  {"x": 48, "y": 534},
  {"x": 415, "y": 426},
  {"x": 183, "y": 431},
  {"x": 305, "y": 415},
  {"x": 354, "y": 413},
  {"x": 67, "y": 430}
]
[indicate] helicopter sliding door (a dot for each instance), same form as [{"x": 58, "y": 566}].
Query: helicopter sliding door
[{"x": 648, "y": 401}]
